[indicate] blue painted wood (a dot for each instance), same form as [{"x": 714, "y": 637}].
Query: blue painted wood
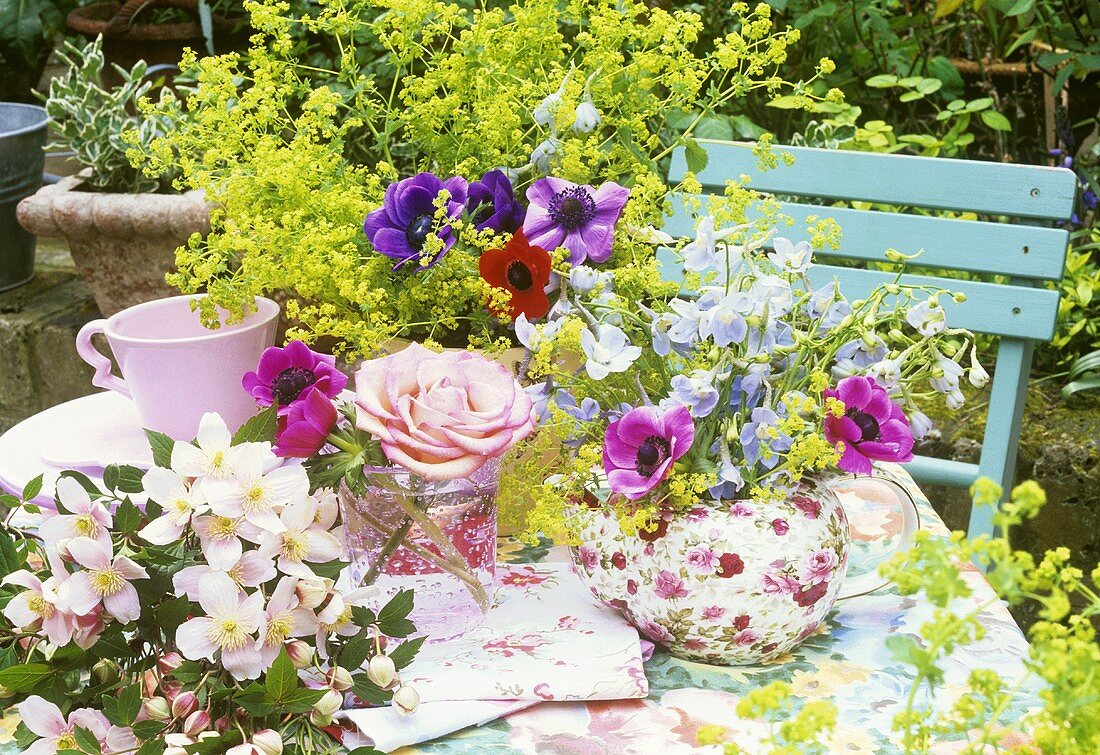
[
  {"x": 996, "y": 309},
  {"x": 948, "y": 244},
  {"x": 1018, "y": 312},
  {"x": 934, "y": 183},
  {"x": 954, "y": 474},
  {"x": 1002, "y": 424}
]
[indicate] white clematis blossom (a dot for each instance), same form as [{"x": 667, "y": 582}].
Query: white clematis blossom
[
  {"x": 229, "y": 627},
  {"x": 260, "y": 486},
  {"x": 179, "y": 501}
]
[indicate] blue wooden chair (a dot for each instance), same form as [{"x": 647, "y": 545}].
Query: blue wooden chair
[{"x": 1023, "y": 246}]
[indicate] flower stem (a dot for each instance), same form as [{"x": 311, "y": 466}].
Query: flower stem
[{"x": 393, "y": 542}]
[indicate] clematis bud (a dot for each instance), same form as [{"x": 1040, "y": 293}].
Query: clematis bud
[
  {"x": 171, "y": 688},
  {"x": 106, "y": 671},
  {"x": 339, "y": 679},
  {"x": 268, "y": 742},
  {"x": 156, "y": 709},
  {"x": 301, "y": 654},
  {"x": 382, "y": 671},
  {"x": 325, "y": 708},
  {"x": 5, "y": 693},
  {"x": 196, "y": 722},
  {"x": 169, "y": 662},
  {"x": 586, "y": 117},
  {"x": 184, "y": 705},
  {"x": 222, "y": 724},
  {"x": 149, "y": 683},
  {"x": 406, "y": 699},
  {"x": 312, "y": 592}
]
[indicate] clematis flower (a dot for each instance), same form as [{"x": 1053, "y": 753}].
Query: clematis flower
[
  {"x": 872, "y": 427},
  {"x": 209, "y": 456},
  {"x": 523, "y": 271},
  {"x": 257, "y": 488},
  {"x": 105, "y": 577},
  {"x": 301, "y": 540},
  {"x": 335, "y": 617},
  {"x": 229, "y": 627},
  {"x": 579, "y": 217},
  {"x": 400, "y": 228},
  {"x": 492, "y": 204},
  {"x": 441, "y": 416},
  {"x": 306, "y": 426},
  {"x": 56, "y": 733},
  {"x": 88, "y": 518},
  {"x": 640, "y": 448},
  {"x": 252, "y": 569},
  {"x": 608, "y": 351},
  {"x": 39, "y": 606},
  {"x": 220, "y": 539},
  {"x": 285, "y": 374},
  {"x": 284, "y": 618},
  {"x": 178, "y": 500}
]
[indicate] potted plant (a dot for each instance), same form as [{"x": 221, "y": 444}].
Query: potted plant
[
  {"x": 27, "y": 31},
  {"x": 122, "y": 225}
]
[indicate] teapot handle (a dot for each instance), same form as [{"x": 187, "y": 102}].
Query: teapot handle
[{"x": 869, "y": 582}]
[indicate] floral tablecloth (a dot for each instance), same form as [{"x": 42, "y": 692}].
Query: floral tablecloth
[{"x": 845, "y": 661}]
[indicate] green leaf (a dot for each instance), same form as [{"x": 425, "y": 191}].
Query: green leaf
[
  {"x": 911, "y": 97},
  {"x": 928, "y": 86},
  {"x": 786, "y": 102},
  {"x": 714, "y": 127},
  {"x": 995, "y": 120},
  {"x": 365, "y": 751},
  {"x": 147, "y": 729},
  {"x": 882, "y": 81},
  {"x": 355, "y": 652},
  {"x": 124, "y": 478},
  {"x": 1020, "y": 7},
  {"x": 161, "y": 446},
  {"x": 127, "y": 517},
  {"x": 254, "y": 700},
  {"x": 301, "y": 700},
  {"x": 362, "y": 616},
  {"x": 946, "y": 7},
  {"x": 696, "y": 156},
  {"x": 172, "y": 613},
  {"x": 391, "y": 619},
  {"x": 11, "y": 560},
  {"x": 368, "y": 691},
  {"x": 32, "y": 489},
  {"x": 86, "y": 740},
  {"x": 152, "y": 747},
  {"x": 746, "y": 128},
  {"x": 24, "y": 677},
  {"x": 1086, "y": 384},
  {"x": 259, "y": 429},
  {"x": 403, "y": 654},
  {"x": 281, "y": 680},
  {"x": 129, "y": 704}
]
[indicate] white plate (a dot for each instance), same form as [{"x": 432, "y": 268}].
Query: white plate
[{"x": 86, "y": 434}]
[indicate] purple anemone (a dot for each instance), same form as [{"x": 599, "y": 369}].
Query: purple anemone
[
  {"x": 399, "y": 228},
  {"x": 872, "y": 428},
  {"x": 304, "y": 431},
  {"x": 640, "y": 448},
  {"x": 285, "y": 374},
  {"x": 579, "y": 217},
  {"x": 492, "y": 203}
]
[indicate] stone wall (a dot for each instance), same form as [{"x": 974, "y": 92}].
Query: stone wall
[{"x": 39, "y": 366}]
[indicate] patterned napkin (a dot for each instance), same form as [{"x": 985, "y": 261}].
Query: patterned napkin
[{"x": 544, "y": 639}]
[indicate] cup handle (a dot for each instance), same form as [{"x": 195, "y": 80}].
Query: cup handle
[
  {"x": 868, "y": 583},
  {"x": 90, "y": 354}
]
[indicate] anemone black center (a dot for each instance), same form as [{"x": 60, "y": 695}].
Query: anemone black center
[
  {"x": 289, "y": 383},
  {"x": 417, "y": 231},
  {"x": 651, "y": 453},
  {"x": 519, "y": 276},
  {"x": 572, "y": 208},
  {"x": 867, "y": 424}
]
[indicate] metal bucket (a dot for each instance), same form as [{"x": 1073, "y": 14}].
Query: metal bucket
[{"x": 22, "y": 140}]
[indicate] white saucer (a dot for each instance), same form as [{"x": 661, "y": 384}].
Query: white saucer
[{"x": 86, "y": 434}]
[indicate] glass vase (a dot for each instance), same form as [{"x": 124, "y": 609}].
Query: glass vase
[{"x": 437, "y": 539}]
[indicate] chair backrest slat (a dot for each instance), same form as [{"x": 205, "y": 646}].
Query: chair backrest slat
[
  {"x": 968, "y": 245},
  {"x": 940, "y": 183}
]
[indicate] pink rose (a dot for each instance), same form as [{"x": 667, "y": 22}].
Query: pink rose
[
  {"x": 669, "y": 586},
  {"x": 441, "y": 416},
  {"x": 700, "y": 560},
  {"x": 779, "y": 584},
  {"x": 588, "y": 557},
  {"x": 819, "y": 566},
  {"x": 710, "y": 613},
  {"x": 747, "y": 637},
  {"x": 654, "y": 631},
  {"x": 780, "y": 526},
  {"x": 808, "y": 506}
]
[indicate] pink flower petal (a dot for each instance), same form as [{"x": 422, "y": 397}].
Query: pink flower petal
[
  {"x": 193, "y": 641},
  {"x": 42, "y": 717}
]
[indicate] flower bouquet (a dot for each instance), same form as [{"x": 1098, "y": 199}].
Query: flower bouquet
[
  {"x": 705, "y": 432},
  {"x": 191, "y": 607},
  {"x": 415, "y": 459}
]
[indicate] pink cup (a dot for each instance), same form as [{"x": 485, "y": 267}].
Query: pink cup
[{"x": 174, "y": 369}]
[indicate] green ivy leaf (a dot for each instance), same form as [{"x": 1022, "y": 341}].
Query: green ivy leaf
[
  {"x": 161, "y": 446},
  {"x": 259, "y": 429}
]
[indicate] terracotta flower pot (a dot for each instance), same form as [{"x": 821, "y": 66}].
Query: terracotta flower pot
[{"x": 123, "y": 244}]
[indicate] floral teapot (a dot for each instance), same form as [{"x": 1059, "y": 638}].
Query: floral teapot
[{"x": 735, "y": 583}]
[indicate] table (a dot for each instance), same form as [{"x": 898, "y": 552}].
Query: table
[{"x": 846, "y": 662}]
